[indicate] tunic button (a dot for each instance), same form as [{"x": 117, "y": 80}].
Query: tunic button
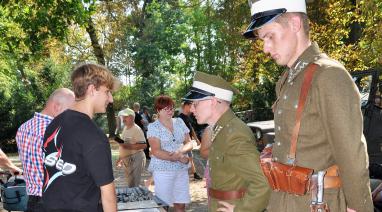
[
  {"x": 279, "y": 143},
  {"x": 295, "y": 106},
  {"x": 217, "y": 157},
  {"x": 275, "y": 158},
  {"x": 285, "y": 97},
  {"x": 279, "y": 112},
  {"x": 316, "y": 58},
  {"x": 291, "y": 83},
  {"x": 278, "y": 128}
]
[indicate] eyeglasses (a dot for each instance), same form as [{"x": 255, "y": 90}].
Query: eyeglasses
[
  {"x": 196, "y": 103},
  {"x": 168, "y": 109}
]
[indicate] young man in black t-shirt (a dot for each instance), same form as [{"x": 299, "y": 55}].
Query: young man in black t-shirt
[{"x": 78, "y": 173}]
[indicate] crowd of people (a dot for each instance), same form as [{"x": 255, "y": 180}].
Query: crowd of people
[{"x": 67, "y": 161}]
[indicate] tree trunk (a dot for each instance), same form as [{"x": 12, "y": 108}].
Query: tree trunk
[{"x": 98, "y": 52}]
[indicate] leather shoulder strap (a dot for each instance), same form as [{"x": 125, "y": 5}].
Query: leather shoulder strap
[{"x": 308, "y": 76}]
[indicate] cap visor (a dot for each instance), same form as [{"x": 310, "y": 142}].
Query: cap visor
[
  {"x": 258, "y": 23},
  {"x": 261, "y": 18},
  {"x": 194, "y": 95}
]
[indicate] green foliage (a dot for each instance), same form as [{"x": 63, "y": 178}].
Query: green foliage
[
  {"x": 42, "y": 20},
  {"x": 158, "y": 46}
]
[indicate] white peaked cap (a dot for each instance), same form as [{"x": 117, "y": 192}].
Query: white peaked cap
[{"x": 289, "y": 5}]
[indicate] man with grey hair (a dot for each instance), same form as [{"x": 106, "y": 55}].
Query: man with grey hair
[
  {"x": 237, "y": 182},
  {"x": 318, "y": 119},
  {"x": 29, "y": 140}
]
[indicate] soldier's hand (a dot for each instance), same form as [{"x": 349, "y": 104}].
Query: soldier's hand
[
  {"x": 118, "y": 163},
  {"x": 350, "y": 210},
  {"x": 225, "y": 207},
  {"x": 184, "y": 159},
  {"x": 197, "y": 142}
]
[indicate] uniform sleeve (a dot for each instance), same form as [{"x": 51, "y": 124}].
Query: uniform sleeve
[
  {"x": 246, "y": 163},
  {"x": 339, "y": 107},
  {"x": 99, "y": 165}
]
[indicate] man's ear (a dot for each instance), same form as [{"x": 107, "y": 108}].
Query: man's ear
[
  {"x": 295, "y": 23},
  {"x": 90, "y": 90},
  {"x": 56, "y": 108},
  {"x": 214, "y": 101}
]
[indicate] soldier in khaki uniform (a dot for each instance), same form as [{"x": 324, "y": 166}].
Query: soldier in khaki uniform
[
  {"x": 331, "y": 124},
  {"x": 236, "y": 177}
]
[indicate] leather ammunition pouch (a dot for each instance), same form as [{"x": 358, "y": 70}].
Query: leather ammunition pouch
[
  {"x": 292, "y": 178},
  {"x": 286, "y": 178}
]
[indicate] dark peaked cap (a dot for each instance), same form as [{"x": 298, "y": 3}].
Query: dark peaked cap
[{"x": 207, "y": 85}]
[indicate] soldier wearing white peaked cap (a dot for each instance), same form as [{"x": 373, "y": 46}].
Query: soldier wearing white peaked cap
[
  {"x": 330, "y": 129},
  {"x": 237, "y": 182}
]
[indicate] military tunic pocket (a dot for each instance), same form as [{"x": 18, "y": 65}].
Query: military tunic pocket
[{"x": 218, "y": 168}]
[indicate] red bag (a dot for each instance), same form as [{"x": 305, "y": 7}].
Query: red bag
[{"x": 287, "y": 178}]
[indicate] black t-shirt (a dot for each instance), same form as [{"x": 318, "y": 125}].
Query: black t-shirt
[
  {"x": 138, "y": 120},
  {"x": 186, "y": 120},
  {"x": 77, "y": 161}
]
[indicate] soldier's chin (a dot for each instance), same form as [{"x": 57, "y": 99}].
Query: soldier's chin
[
  {"x": 280, "y": 62},
  {"x": 200, "y": 121}
]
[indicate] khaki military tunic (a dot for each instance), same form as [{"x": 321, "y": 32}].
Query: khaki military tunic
[
  {"x": 234, "y": 164},
  {"x": 330, "y": 133}
]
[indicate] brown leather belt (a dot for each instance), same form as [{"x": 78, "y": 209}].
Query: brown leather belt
[
  {"x": 332, "y": 179},
  {"x": 332, "y": 182},
  {"x": 226, "y": 195}
]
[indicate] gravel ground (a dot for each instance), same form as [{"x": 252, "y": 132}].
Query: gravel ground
[{"x": 197, "y": 187}]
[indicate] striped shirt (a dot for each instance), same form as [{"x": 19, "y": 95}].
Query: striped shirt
[{"x": 29, "y": 140}]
